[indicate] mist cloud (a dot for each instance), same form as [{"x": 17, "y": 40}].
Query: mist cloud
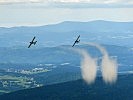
[
  {"x": 69, "y": 1},
  {"x": 88, "y": 66},
  {"x": 108, "y": 65},
  {"x": 109, "y": 69}
]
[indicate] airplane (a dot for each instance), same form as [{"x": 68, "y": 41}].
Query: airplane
[
  {"x": 32, "y": 42},
  {"x": 77, "y": 41}
]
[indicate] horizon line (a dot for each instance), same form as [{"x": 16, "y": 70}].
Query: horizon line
[{"x": 39, "y": 25}]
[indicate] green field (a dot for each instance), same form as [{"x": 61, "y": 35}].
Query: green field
[{"x": 13, "y": 83}]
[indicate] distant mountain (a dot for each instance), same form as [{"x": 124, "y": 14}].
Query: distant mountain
[
  {"x": 78, "y": 90},
  {"x": 106, "y": 32}
]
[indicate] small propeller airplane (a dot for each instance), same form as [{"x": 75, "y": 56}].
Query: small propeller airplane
[
  {"x": 32, "y": 42},
  {"x": 77, "y": 41}
]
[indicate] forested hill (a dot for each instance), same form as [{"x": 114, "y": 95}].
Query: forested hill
[{"x": 78, "y": 90}]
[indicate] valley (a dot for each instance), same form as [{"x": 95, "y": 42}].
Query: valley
[{"x": 23, "y": 75}]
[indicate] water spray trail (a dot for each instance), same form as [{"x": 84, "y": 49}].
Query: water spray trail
[
  {"x": 109, "y": 65},
  {"x": 88, "y": 66},
  {"x": 109, "y": 69}
]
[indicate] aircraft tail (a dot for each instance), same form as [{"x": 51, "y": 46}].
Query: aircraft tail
[
  {"x": 78, "y": 41},
  {"x": 35, "y": 42}
]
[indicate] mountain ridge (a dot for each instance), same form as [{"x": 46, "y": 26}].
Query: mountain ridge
[
  {"x": 92, "y": 21},
  {"x": 104, "y": 32}
]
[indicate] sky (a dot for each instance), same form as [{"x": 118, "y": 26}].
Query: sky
[{"x": 44, "y": 12}]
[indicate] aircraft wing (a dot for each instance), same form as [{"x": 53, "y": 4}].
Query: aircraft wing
[
  {"x": 33, "y": 39},
  {"x": 77, "y": 38},
  {"x": 29, "y": 45},
  {"x": 74, "y": 44}
]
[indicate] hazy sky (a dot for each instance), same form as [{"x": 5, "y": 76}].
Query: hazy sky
[{"x": 42, "y": 12}]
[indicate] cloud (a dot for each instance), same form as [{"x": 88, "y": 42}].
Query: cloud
[
  {"x": 67, "y": 1},
  {"x": 21, "y": 1},
  {"x": 75, "y": 3},
  {"x": 95, "y": 1}
]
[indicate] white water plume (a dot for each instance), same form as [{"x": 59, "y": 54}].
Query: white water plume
[
  {"x": 109, "y": 65},
  {"x": 88, "y": 66}
]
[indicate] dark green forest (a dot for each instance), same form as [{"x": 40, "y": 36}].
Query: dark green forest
[{"x": 78, "y": 90}]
